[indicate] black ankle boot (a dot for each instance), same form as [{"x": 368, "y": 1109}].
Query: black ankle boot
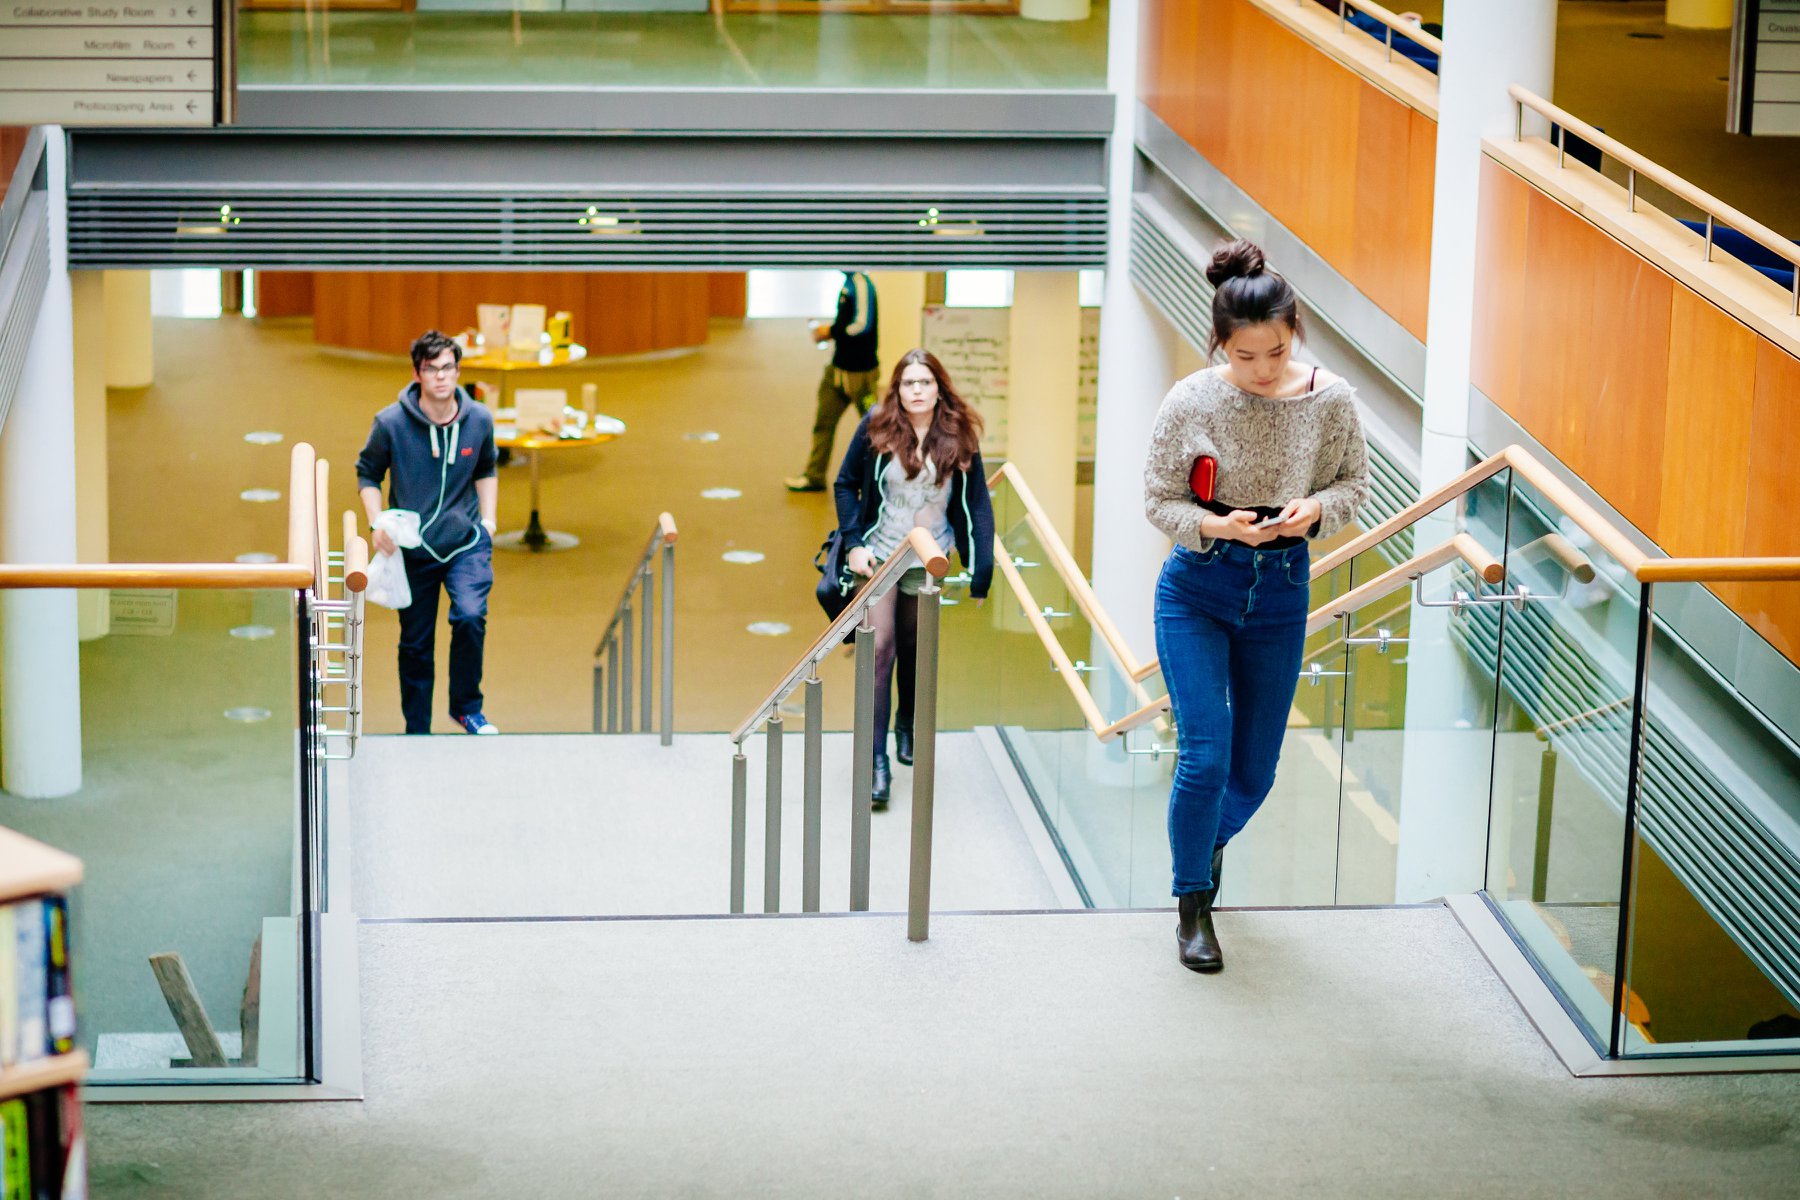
[
  {"x": 1195, "y": 938},
  {"x": 903, "y": 746},
  {"x": 884, "y": 782}
]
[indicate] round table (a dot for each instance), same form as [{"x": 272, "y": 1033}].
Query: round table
[
  {"x": 534, "y": 536},
  {"x": 506, "y": 366}
]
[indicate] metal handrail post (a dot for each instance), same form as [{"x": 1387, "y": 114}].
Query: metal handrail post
[
  {"x": 668, "y": 644},
  {"x": 740, "y": 819},
  {"x": 625, "y": 689},
  {"x": 811, "y": 782},
  {"x": 600, "y": 695},
  {"x": 772, "y": 821},
  {"x": 924, "y": 772},
  {"x": 647, "y": 661},
  {"x": 862, "y": 770},
  {"x": 612, "y": 685}
]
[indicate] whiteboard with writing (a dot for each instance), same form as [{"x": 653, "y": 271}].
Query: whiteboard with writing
[
  {"x": 1087, "y": 385},
  {"x": 975, "y": 348}
]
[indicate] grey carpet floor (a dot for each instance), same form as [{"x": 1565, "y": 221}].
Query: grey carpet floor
[
  {"x": 1341, "y": 1053},
  {"x": 561, "y": 825}
]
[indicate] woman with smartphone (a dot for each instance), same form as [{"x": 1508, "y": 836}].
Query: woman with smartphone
[{"x": 1250, "y": 459}]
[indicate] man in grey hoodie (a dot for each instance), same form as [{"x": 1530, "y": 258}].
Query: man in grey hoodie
[{"x": 436, "y": 444}]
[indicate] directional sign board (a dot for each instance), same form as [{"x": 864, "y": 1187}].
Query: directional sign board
[{"x": 81, "y": 62}]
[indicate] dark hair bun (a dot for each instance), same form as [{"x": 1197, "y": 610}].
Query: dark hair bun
[{"x": 1234, "y": 260}]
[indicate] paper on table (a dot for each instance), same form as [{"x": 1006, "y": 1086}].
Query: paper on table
[
  {"x": 526, "y": 337},
  {"x": 539, "y": 408},
  {"x": 492, "y": 319}
]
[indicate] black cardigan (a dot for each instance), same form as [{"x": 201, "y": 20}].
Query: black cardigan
[{"x": 859, "y": 499}]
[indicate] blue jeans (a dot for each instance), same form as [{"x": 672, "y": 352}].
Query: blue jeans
[
  {"x": 1230, "y": 629},
  {"x": 467, "y": 578}
]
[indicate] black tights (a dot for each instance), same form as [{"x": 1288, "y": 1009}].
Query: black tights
[{"x": 896, "y": 621}]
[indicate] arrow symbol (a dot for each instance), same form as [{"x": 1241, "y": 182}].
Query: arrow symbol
[
  {"x": 191, "y": 10},
  {"x": 190, "y": 76},
  {"x": 190, "y": 106},
  {"x": 191, "y": 43}
]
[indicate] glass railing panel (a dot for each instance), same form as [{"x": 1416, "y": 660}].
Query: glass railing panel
[
  {"x": 186, "y": 823},
  {"x": 1713, "y": 954},
  {"x": 748, "y": 44},
  {"x": 1562, "y": 744}
]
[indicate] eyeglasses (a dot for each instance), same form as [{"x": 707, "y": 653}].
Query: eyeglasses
[
  {"x": 918, "y": 383},
  {"x": 441, "y": 370}
]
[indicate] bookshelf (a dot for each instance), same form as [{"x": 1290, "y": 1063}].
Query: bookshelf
[{"x": 40, "y": 1109}]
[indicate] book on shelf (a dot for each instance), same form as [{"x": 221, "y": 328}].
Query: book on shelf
[
  {"x": 37, "y": 1003},
  {"x": 43, "y": 1154}
]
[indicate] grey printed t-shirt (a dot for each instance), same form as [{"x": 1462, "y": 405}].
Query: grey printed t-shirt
[{"x": 921, "y": 500}]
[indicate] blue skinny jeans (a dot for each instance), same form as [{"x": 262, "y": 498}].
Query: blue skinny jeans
[{"x": 1230, "y": 629}]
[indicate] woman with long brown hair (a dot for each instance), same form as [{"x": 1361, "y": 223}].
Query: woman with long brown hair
[{"x": 915, "y": 461}]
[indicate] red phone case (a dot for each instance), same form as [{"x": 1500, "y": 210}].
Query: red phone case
[{"x": 1202, "y": 476}]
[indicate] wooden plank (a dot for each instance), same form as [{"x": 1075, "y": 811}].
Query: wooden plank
[
  {"x": 189, "y": 1013},
  {"x": 1773, "y": 497},
  {"x": 1495, "y": 355},
  {"x": 30, "y": 868},
  {"x": 284, "y": 294},
  {"x": 1379, "y": 262},
  {"x": 1706, "y": 433},
  {"x": 25, "y": 1078},
  {"x": 622, "y": 305},
  {"x": 1619, "y": 424},
  {"x": 728, "y": 294},
  {"x": 679, "y": 308}
]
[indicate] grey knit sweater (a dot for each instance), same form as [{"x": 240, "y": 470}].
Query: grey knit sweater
[{"x": 1269, "y": 452}]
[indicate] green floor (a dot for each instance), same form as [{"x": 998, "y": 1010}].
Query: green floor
[{"x": 671, "y": 49}]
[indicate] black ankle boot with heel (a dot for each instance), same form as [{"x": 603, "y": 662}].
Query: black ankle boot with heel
[
  {"x": 1195, "y": 939},
  {"x": 903, "y": 746},
  {"x": 884, "y": 783}
]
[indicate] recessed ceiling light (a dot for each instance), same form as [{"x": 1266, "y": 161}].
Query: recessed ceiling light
[
  {"x": 259, "y": 495},
  {"x": 262, "y": 437},
  {"x": 768, "y": 628},
  {"x": 742, "y": 556},
  {"x": 720, "y": 493}
]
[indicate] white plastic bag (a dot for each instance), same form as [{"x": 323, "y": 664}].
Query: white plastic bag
[
  {"x": 387, "y": 573},
  {"x": 387, "y": 584}
]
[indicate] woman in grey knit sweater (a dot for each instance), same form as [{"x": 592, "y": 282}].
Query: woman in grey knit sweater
[{"x": 1288, "y": 464}]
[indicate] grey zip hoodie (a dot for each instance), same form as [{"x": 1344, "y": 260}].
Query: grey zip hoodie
[{"x": 433, "y": 469}]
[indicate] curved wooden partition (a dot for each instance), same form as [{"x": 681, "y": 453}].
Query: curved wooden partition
[
  {"x": 1676, "y": 411},
  {"x": 615, "y": 312},
  {"x": 1336, "y": 143}
]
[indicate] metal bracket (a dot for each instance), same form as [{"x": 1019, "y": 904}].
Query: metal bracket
[
  {"x": 1153, "y": 752},
  {"x": 1048, "y": 611},
  {"x": 1518, "y": 597},
  {"x": 1080, "y": 667},
  {"x": 1314, "y": 673},
  {"x": 1384, "y": 637}
]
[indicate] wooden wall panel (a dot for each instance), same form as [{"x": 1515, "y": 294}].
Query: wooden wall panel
[
  {"x": 623, "y": 304},
  {"x": 1500, "y": 306},
  {"x": 1706, "y": 440},
  {"x": 1339, "y": 162},
  {"x": 1773, "y": 609},
  {"x": 284, "y": 293},
  {"x": 1621, "y": 414},
  {"x": 381, "y": 311},
  {"x": 681, "y": 304},
  {"x": 728, "y": 294}
]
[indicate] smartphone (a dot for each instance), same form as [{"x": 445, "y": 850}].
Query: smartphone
[{"x": 1268, "y": 522}]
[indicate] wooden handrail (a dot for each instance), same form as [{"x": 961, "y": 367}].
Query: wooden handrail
[
  {"x": 923, "y": 548},
  {"x": 1715, "y": 208},
  {"x": 321, "y": 571},
  {"x": 1067, "y": 568},
  {"x": 1406, "y": 29},
  {"x": 356, "y": 561},
  {"x": 1084, "y": 699},
  {"x": 304, "y": 533},
  {"x": 666, "y": 523},
  {"x": 302, "y": 517}
]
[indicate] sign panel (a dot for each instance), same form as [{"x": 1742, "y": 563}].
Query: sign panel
[
  {"x": 71, "y": 62},
  {"x": 1765, "y": 65}
]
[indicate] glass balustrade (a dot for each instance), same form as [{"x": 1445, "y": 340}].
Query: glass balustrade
[{"x": 189, "y": 824}]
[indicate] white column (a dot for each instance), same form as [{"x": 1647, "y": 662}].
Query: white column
[
  {"x": 1445, "y": 780},
  {"x": 92, "y": 539},
  {"x": 130, "y": 340},
  {"x": 900, "y": 301},
  {"x": 40, "y": 659},
  {"x": 1044, "y": 330},
  {"x": 1138, "y": 356}
]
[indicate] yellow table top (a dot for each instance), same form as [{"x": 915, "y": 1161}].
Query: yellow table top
[
  {"x": 501, "y": 362},
  {"x": 604, "y": 429}
]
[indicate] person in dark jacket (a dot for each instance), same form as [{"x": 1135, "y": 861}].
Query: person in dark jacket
[
  {"x": 915, "y": 461},
  {"x": 435, "y": 445},
  {"x": 851, "y": 378}
]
